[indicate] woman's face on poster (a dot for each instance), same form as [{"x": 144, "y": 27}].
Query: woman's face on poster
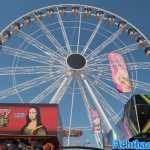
[{"x": 32, "y": 114}]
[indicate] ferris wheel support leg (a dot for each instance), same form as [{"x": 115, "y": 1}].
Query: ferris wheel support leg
[
  {"x": 98, "y": 106},
  {"x": 98, "y": 140},
  {"x": 61, "y": 90}
]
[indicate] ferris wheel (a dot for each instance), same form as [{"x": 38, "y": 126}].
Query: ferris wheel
[{"x": 59, "y": 54}]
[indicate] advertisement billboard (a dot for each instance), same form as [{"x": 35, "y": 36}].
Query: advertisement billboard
[{"x": 28, "y": 119}]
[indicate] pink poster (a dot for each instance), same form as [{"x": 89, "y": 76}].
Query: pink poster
[
  {"x": 119, "y": 70},
  {"x": 95, "y": 120}
]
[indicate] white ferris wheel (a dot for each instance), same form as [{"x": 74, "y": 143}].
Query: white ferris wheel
[{"x": 58, "y": 54}]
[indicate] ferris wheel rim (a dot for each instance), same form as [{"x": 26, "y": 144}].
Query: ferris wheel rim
[{"x": 75, "y": 4}]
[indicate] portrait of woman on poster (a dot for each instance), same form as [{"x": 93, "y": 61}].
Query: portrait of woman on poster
[{"x": 33, "y": 124}]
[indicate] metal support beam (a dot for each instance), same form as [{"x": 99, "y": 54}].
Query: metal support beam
[
  {"x": 98, "y": 106},
  {"x": 61, "y": 90}
]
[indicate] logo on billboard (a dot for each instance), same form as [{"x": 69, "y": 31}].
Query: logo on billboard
[{"x": 4, "y": 117}]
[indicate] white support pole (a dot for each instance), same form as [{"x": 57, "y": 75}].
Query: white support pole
[
  {"x": 97, "y": 140},
  {"x": 60, "y": 92},
  {"x": 87, "y": 105},
  {"x": 98, "y": 106},
  {"x": 71, "y": 112}
]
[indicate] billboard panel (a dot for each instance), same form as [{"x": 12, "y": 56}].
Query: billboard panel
[{"x": 27, "y": 119}]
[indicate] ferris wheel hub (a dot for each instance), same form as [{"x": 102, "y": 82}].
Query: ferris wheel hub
[{"x": 76, "y": 61}]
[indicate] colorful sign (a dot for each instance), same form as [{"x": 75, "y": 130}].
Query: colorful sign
[
  {"x": 119, "y": 70},
  {"x": 137, "y": 112}
]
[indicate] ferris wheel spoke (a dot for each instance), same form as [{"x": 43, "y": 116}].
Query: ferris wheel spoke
[
  {"x": 85, "y": 100},
  {"x": 138, "y": 66},
  {"x": 127, "y": 49},
  {"x": 106, "y": 77},
  {"x": 141, "y": 85},
  {"x": 71, "y": 111},
  {"x": 101, "y": 67},
  {"x": 61, "y": 90},
  {"x": 92, "y": 36},
  {"x": 43, "y": 48},
  {"x": 95, "y": 73},
  {"x": 63, "y": 31},
  {"x": 104, "y": 44},
  {"x": 111, "y": 91},
  {"x": 26, "y": 55},
  {"x": 29, "y": 70},
  {"x": 51, "y": 38},
  {"x": 83, "y": 93},
  {"x": 98, "y": 70},
  {"x": 79, "y": 30},
  {"x": 106, "y": 106},
  {"x": 24, "y": 70},
  {"x": 103, "y": 76},
  {"x": 123, "y": 50},
  {"x": 97, "y": 63},
  {"x": 39, "y": 98},
  {"x": 24, "y": 86}
]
